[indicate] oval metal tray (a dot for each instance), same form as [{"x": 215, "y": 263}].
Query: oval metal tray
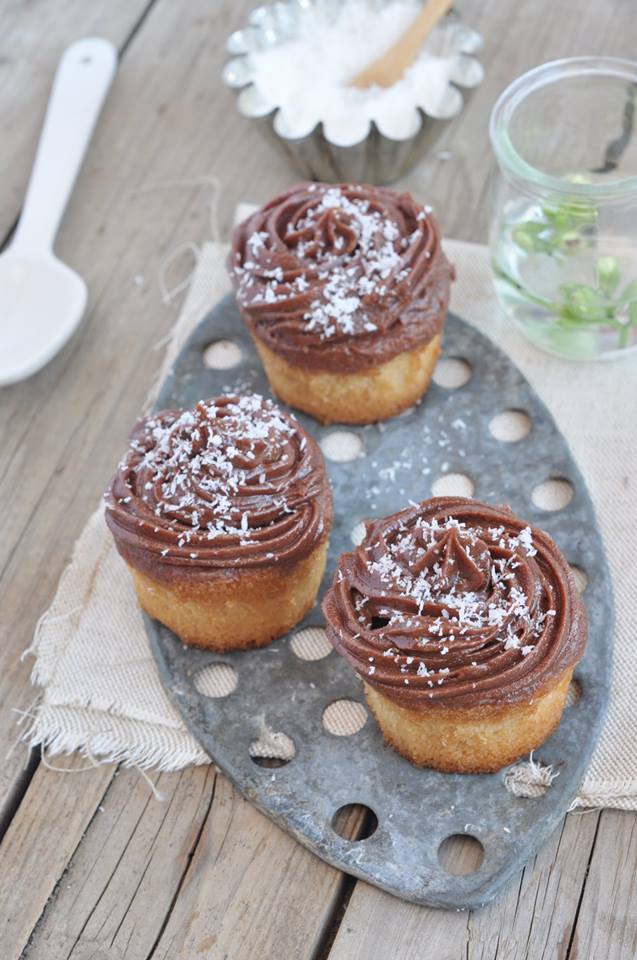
[{"x": 416, "y": 809}]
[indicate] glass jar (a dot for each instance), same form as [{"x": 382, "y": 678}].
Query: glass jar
[{"x": 564, "y": 224}]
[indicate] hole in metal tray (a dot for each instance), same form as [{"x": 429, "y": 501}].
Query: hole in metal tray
[
  {"x": 342, "y": 446},
  {"x": 354, "y": 821},
  {"x": 510, "y": 426},
  {"x": 216, "y": 680},
  {"x": 344, "y": 718},
  {"x": 453, "y": 485},
  {"x": 461, "y": 854},
  {"x": 553, "y": 494},
  {"x": 311, "y": 644},
  {"x": 222, "y": 355},
  {"x": 452, "y": 373}
]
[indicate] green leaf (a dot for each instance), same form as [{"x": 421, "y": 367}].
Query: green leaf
[
  {"x": 565, "y": 216},
  {"x": 527, "y": 236},
  {"x": 608, "y": 274},
  {"x": 558, "y": 218},
  {"x": 583, "y": 214},
  {"x": 582, "y": 303}
]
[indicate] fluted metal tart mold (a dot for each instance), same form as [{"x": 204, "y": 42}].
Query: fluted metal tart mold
[{"x": 374, "y": 157}]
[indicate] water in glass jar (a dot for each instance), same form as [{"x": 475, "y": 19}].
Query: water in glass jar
[{"x": 566, "y": 272}]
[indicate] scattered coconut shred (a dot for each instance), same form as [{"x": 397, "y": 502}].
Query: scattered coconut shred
[
  {"x": 379, "y": 253},
  {"x": 308, "y": 76},
  {"x": 201, "y": 474}
]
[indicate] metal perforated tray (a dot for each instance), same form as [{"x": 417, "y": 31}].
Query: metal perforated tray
[{"x": 416, "y": 809}]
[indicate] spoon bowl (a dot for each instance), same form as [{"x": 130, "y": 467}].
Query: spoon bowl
[{"x": 42, "y": 301}]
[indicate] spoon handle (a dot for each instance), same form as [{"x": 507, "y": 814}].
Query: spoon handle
[
  {"x": 389, "y": 68},
  {"x": 81, "y": 83}
]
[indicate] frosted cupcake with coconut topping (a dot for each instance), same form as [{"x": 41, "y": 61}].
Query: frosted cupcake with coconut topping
[
  {"x": 465, "y": 625},
  {"x": 345, "y": 290},
  {"x": 222, "y": 514}
]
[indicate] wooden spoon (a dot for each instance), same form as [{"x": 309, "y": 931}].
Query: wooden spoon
[{"x": 388, "y": 69}]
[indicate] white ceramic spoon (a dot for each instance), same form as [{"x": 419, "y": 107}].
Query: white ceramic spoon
[{"x": 41, "y": 299}]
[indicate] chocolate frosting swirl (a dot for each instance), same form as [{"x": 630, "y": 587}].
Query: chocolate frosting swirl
[
  {"x": 452, "y": 603},
  {"x": 341, "y": 277},
  {"x": 234, "y": 483}
]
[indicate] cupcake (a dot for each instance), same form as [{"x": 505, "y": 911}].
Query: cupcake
[
  {"x": 344, "y": 290},
  {"x": 465, "y": 625},
  {"x": 222, "y": 514}
]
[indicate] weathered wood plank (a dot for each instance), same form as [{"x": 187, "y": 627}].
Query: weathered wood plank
[
  {"x": 535, "y": 918},
  {"x": 39, "y": 842},
  {"x": 178, "y": 878},
  {"x": 252, "y": 892},
  {"x": 32, "y": 38},
  {"x": 122, "y": 880},
  {"x": 607, "y": 921}
]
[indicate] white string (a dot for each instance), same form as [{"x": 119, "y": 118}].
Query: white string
[
  {"x": 157, "y": 794},
  {"x": 575, "y": 810},
  {"x": 93, "y": 763},
  {"x": 49, "y": 766},
  {"x": 213, "y": 184},
  {"x": 23, "y": 715},
  {"x": 169, "y": 294},
  {"x": 163, "y": 341}
]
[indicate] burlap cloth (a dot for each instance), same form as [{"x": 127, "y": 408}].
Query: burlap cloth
[{"x": 101, "y": 694}]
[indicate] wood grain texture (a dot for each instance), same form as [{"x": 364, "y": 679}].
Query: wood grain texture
[
  {"x": 202, "y": 874},
  {"x": 124, "y": 877},
  {"x": 41, "y": 839},
  {"x": 252, "y": 891},
  {"x": 32, "y": 38},
  {"x": 194, "y": 874},
  {"x": 607, "y": 922}
]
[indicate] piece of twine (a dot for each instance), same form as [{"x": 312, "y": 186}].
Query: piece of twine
[
  {"x": 530, "y": 778},
  {"x": 170, "y": 293}
]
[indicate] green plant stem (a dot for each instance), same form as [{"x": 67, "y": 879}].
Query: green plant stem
[
  {"x": 623, "y": 335},
  {"x": 554, "y": 309},
  {"x": 531, "y": 297}
]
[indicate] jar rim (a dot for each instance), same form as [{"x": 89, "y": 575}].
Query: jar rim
[{"x": 533, "y": 80}]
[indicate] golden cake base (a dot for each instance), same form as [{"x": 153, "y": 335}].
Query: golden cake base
[
  {"x": 473, "y": 739},
  {"x": 237, "y": 609},
  {"x": 366, "y": 396}
]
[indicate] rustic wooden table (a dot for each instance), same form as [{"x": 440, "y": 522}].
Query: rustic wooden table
[{"x": 91, "y": 865}]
